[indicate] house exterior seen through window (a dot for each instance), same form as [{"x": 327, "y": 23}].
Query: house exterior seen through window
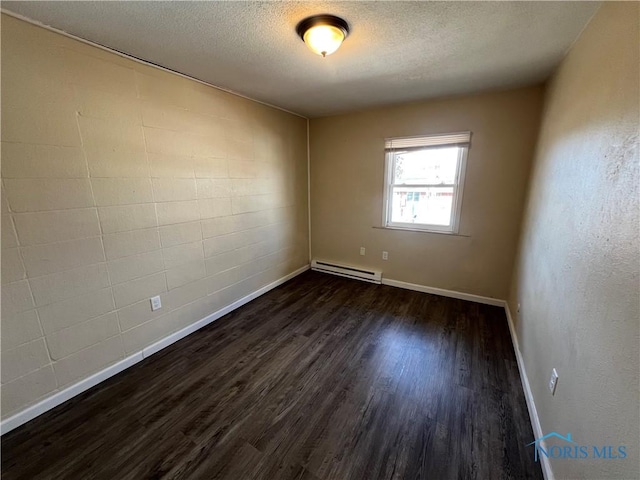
[{"x": 424, "y": 179}]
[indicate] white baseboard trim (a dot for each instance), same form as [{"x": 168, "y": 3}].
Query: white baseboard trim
[
  {"x": 62, "y": 396},
  {"x": 531, "y": 406},
  {"x": 528, "y": 395},
  {"x": 174, "y": 337},
  {"x": 445, "y": 293}
]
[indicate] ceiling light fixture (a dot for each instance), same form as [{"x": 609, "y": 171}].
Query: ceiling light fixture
[{"x": 323, "y": 34}]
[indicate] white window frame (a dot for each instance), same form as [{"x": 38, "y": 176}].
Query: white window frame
[{"x": 458, "y": 186}]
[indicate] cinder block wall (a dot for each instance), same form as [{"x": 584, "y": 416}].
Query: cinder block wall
[{"x": 121, "y": 182}]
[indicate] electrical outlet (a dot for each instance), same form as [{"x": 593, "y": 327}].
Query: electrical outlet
[
  {"x": 385, "y": 255},
  {"x": 362, "y": 250},
  {"x": 518, "y": 308},
  {"x": 553, "y": 381},
  {"x": 156, "y": 304}
]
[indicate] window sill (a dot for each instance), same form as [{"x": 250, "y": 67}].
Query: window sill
[{"x": 419, "y": 230}]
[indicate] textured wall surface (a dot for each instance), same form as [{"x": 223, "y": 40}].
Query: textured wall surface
[
  {"x": 347, "y": 167},
  {"x": 121, "y": 182},
  {"x": 397, "y": 51},
  {"x": 577, "y": 277}
]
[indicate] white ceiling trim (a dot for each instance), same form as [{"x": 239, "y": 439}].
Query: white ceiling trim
[{"x": 140, "y": 60}]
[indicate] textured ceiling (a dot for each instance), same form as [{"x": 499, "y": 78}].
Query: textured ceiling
[{"x": 397, "y": 51}]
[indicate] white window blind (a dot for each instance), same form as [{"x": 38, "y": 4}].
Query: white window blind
[{"x": 461, "y": 139}]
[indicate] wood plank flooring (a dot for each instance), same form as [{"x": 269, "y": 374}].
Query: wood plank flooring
[{"x": 321, "y": 378}]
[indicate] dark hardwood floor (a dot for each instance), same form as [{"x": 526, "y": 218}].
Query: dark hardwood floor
[{"x": 321, "y": 378}]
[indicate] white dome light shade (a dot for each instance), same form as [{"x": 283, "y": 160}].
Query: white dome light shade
[
  {"x": 323, "y": 39},
  {"x": 323, "y": 34}
]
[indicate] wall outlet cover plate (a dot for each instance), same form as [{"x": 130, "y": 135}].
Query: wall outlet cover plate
[{"x": 553, "y": 381}]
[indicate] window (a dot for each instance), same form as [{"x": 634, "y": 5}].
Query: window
[{"x": 424, "y": 177}]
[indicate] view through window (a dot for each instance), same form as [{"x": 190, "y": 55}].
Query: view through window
[{"x": 424, "y": 182}]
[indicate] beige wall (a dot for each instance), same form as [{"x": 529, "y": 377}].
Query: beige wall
[
  {"x": 121, "y": 182},
  {"x": 347, "y": 165},
  {"x": 577, "y": 274}
]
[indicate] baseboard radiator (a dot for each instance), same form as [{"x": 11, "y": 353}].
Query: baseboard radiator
[{"x": 372, "y": 276}]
